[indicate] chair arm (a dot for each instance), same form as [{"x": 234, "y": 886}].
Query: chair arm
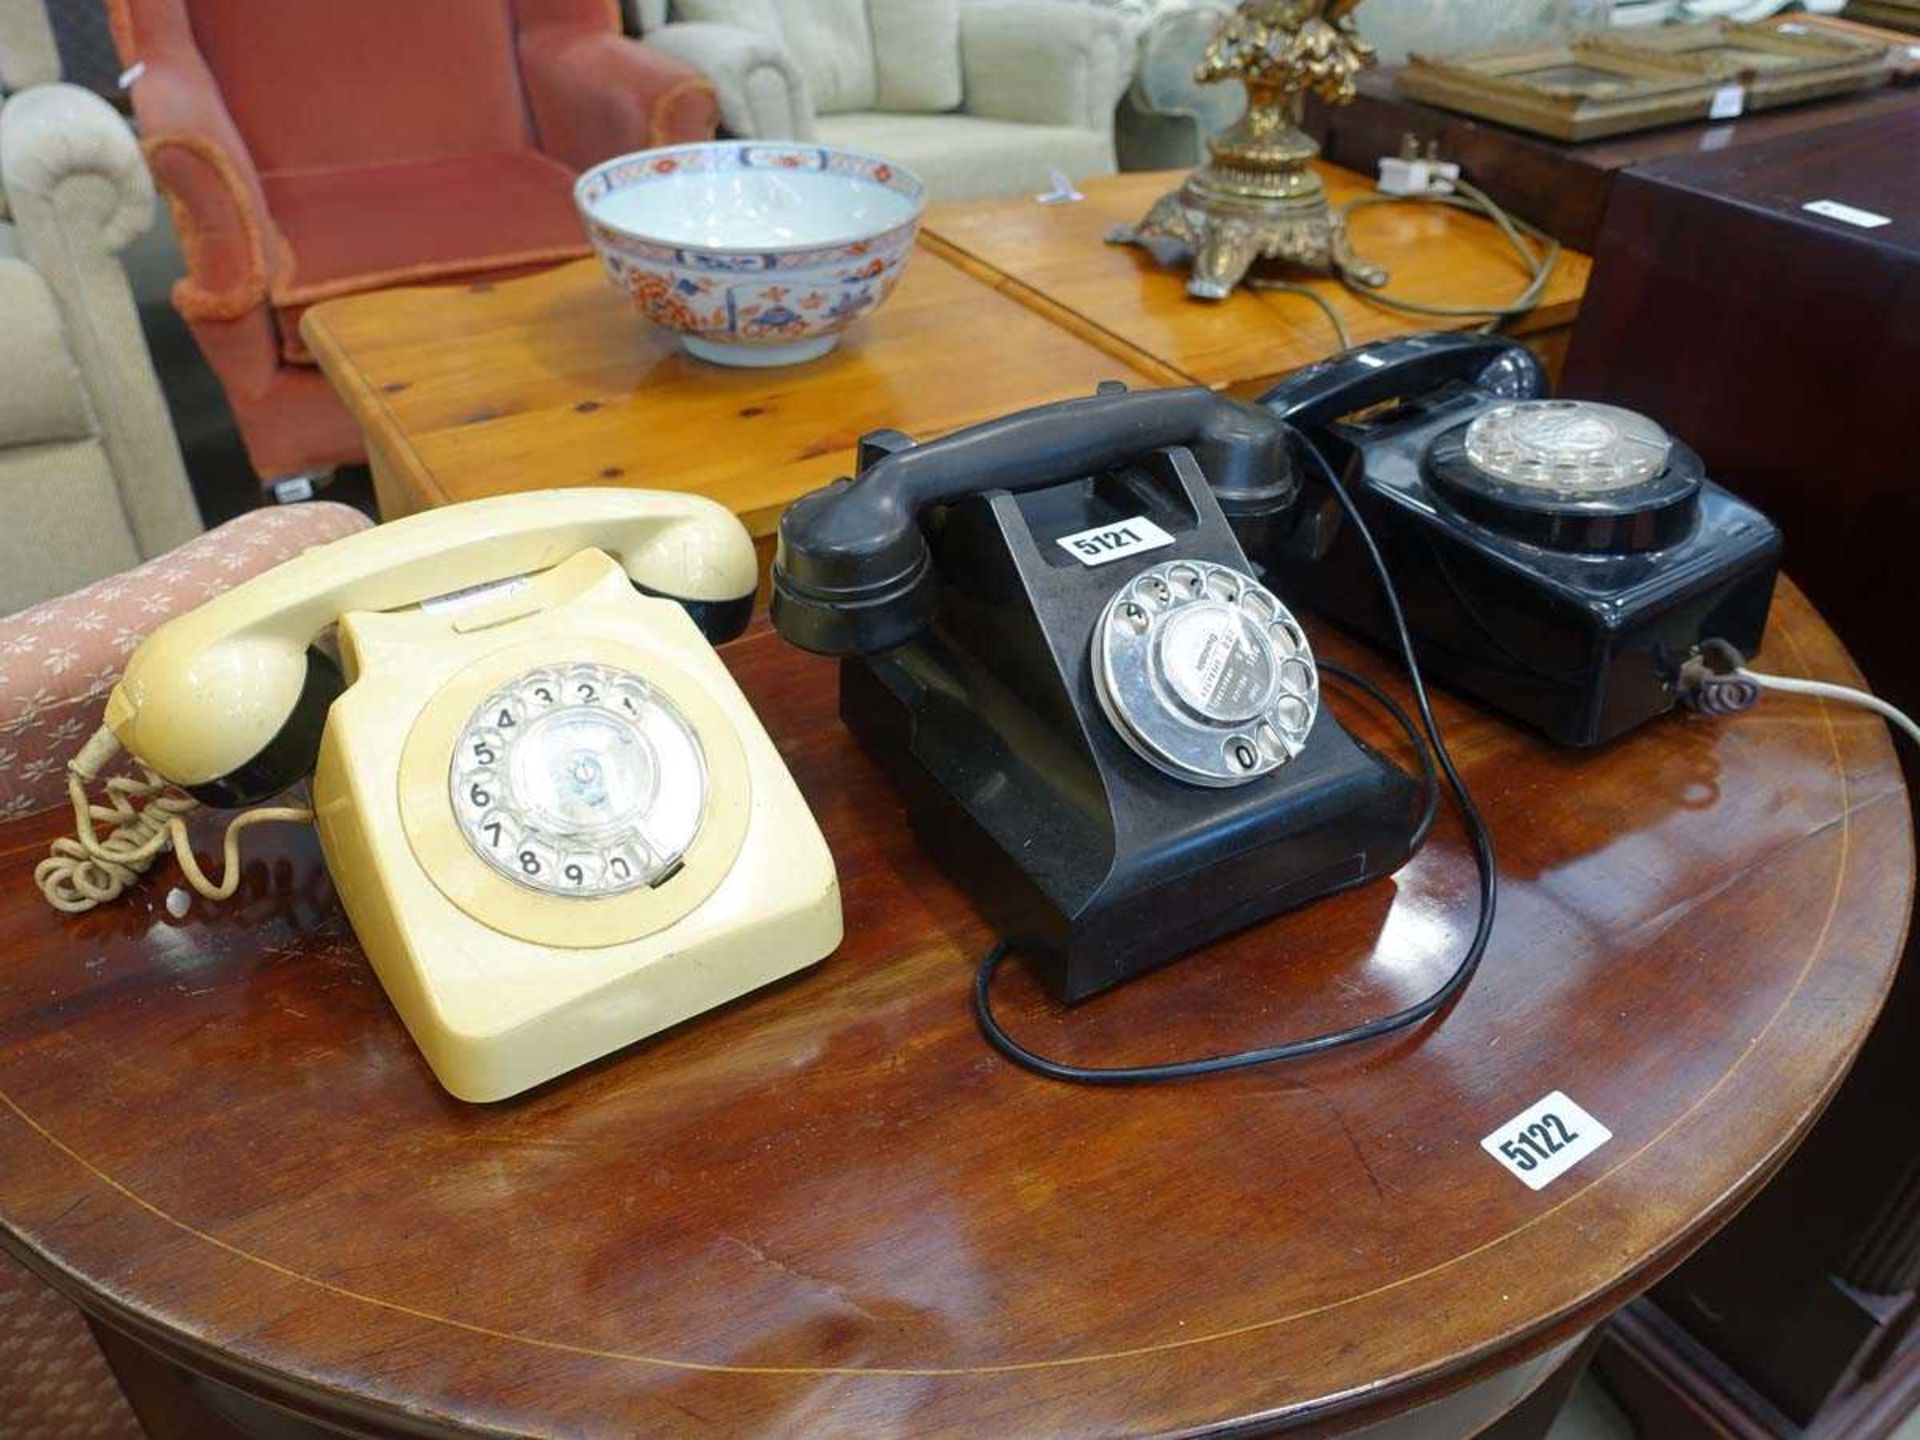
[
  {"x": 42, "y": 399},
  {"x": 1044, "y": 63},
  {"x": 80, "y": 193},
  {"x": 596, "y": 94},
  {"x": 763, "y": 95},
  {"x": 64, "y": 655},
  {"x": 72, "y": 168},
  {"x": 232, "y": 249}
]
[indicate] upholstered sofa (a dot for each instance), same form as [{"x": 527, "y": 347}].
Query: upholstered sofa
[
  {"x": 1166, "y": 117},
  {"x": 979, "y": 97},
  {"x": 313, "y": 150},
  {"x": 90, "y": 473}
]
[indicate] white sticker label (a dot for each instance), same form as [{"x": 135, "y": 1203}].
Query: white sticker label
[
  {"x": 1546, "y": 1140},
  {"x": 1834, "y": 210},
  {"x": 1109, "y": 542},
  {"x": 1728, "y": 101},
  {"x": 1372, "y": 362},
  {"x": 457, "y": 600}
]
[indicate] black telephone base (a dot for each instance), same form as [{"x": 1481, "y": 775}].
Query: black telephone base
[
  {"x": 1091, "y": 861},
  {"x": 1582, "y": 646},
  {"x": 1045, "y": 871}
]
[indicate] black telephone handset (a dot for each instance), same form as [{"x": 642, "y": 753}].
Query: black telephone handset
[
  {"x": 852, "y": 574},
  {"x": 1401, "y": 368}
]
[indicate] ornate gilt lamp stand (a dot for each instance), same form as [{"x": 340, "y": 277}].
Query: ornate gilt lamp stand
[{"x": 1258, "y": 198}]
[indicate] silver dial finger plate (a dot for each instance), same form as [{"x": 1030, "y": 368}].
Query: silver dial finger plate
[
  {"x": 1205, "y": 673},
  {"x": 579, "y": 780}
]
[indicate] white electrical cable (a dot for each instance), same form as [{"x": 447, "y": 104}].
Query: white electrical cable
[{"x": 1843, "y": 693}]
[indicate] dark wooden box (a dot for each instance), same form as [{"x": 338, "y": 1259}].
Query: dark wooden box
[{"x": 1560, "y": 187}]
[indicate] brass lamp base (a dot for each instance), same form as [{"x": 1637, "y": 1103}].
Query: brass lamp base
[{"x": 1257, "y": 199}]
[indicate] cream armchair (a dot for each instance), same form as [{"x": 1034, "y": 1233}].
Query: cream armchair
[
  {"x": 985, "y": 97},
  {"x": 27, "y": 57},
  {"x": 90, "y": 471}
]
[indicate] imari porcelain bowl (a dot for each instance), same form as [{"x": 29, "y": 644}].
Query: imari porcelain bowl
[{"x": 757, "y": 253}]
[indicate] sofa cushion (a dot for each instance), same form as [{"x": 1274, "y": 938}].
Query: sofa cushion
[
  {"x": 65, "y": 523},
  {"x": 367, "y": 227},
  {"x": 967, "y": 157},
  {"x": 833, "y": 43},
  {"x": 362, "y": 81},
  {"x": 43, "y": 399},
  {"x": 830, "y": 40},
  {"x": 916, "y": 49}
]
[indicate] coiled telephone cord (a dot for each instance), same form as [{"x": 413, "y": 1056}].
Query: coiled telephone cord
[{"x": 147, "y": 814}]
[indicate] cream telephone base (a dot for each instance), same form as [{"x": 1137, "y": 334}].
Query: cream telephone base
[{"x": 552, "y": 817}]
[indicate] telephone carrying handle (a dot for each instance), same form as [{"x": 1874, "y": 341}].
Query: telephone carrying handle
[
  {"x": 852, "y": 574},
  {"x": 1402, "y": 367}
]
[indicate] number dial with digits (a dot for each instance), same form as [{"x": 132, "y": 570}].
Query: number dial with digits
[{"x": 579, "y": 780}]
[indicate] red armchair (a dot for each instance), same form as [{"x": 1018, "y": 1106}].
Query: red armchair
[{"x": 309, "y": 151}]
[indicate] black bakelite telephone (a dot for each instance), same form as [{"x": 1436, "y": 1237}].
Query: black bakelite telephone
[
  {"x": 1561, "y": 559},
  {"x": 1103, "y": 724}
]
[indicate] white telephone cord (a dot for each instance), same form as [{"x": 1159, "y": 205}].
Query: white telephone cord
[
  {"x": 82, "y": 870},
  {"x": 1846, "y": 694},
  {"x": 1715, "y": 680}
]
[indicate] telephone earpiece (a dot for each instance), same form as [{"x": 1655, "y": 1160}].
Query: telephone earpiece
[
  {"x": 852, "y": 575},
  {"x": 228, "y": 701}
]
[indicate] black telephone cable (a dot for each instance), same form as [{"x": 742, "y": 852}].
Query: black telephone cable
[{"x": 1477, "y": 836}]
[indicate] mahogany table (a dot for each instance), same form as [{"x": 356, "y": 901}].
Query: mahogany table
[
  {"x": 831, "y": 1209},
  {"x": 1795, "y": 1310}
]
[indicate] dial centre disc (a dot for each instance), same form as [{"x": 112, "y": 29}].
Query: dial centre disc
[
  {"x": 1216, "y": 661},
  {"x": 581, "y": 771}
]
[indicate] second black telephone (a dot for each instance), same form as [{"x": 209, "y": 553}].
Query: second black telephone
[
  {"x": 1103, "y": 723},
  {"x": 1560, "y": 560}
]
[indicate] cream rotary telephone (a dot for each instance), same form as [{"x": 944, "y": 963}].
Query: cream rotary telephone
[{"x": 551, "y": 816}]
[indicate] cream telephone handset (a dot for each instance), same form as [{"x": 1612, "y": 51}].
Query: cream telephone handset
[{"x": 551, "y": 816}]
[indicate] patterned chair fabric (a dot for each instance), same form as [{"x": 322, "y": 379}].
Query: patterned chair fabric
[
  {"x": 54, "y": 1382},
  {"x": 59, "y": 659}
]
